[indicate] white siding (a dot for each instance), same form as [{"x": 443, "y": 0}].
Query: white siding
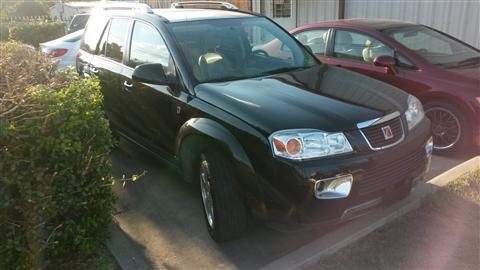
[
  {"x": 309, "y": 11},
  {"x": 459, "y": 18}
]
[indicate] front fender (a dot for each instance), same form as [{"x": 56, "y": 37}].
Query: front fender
[{"x": 215, "y": 131}]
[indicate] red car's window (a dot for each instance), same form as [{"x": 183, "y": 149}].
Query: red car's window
[
  {"x": 435, "y": 47},
  {"x": 359, "y": 47},
  {"x": 316, "y": 39}
]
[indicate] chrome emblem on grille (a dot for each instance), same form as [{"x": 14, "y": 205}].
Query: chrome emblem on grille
[{"x": 387, "y": 132}]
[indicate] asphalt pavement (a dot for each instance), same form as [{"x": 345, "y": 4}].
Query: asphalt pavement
[{"x": 160, "y": 217}]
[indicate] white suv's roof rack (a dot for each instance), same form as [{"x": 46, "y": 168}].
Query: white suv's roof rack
[
  {"x": 133, "y": 6},
  {"x": 222, "y": 5}
]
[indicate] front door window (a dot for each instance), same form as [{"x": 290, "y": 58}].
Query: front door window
[{"x": 358, "y": 47}]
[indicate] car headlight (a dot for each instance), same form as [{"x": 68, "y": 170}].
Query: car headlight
[
  {"x": 299, "y": 144},
  {"x": 414, "y": 113}
]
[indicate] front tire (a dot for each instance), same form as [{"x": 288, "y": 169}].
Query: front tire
[
  {"x": 449, "y": 127},
  {"x": 223, "y": 207}
]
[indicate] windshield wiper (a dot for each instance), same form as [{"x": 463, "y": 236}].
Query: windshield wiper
[
  {"x": 467, "y": 62},
  {"x": 226, "y": 79},
  {"x": 281, "y": 70}
]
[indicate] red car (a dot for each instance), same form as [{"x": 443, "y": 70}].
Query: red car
[{"x": 443, "y": 72}]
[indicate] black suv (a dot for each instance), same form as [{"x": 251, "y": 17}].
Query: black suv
[{"x": 276, "y": 135}]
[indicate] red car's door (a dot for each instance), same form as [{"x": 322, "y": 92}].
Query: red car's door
[{"x": 356, "y": 51}]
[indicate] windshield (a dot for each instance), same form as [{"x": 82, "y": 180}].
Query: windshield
[
  {"x": 232, "y": 49},
  {"x": 435, "y": 47}
]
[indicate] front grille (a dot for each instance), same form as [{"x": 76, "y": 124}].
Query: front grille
[
  {"x": 376, "y": 137},
  {"x": 385, "y": 175}
]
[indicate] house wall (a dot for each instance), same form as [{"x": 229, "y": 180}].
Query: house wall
[
  {"x": 309, "y": 11},
  {"x": 458, "y": 18}
]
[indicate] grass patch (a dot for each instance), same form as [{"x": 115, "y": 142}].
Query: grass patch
[
  {"x": 102, "y": 260},
  {"x": 467, "y": 187}
]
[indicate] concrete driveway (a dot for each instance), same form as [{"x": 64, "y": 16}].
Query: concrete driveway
[{"x": 161, "y": 218}]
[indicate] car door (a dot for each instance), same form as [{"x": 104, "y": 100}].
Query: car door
[
  {"x": 154, "y": 109},
  {"x": 107, "y": 66},
  {"x": 356, "y": 51}
]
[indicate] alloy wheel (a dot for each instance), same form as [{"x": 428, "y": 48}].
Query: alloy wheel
[
  {"x": 446, "y": 127},
  {"x": 205, "y": 186}
]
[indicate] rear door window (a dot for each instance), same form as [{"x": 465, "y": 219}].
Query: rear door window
[
  {"x": 316, "y": 39},
  {"x": 93, "y": 32},
  {"x": 117, "y": 35}
]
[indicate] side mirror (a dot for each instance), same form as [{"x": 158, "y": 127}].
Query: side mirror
[
  {"x": 151, "y": 73},
  {"x": 386, "y": 61}
]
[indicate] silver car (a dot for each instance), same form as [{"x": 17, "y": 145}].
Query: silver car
[{"x": 63, "y": 49}]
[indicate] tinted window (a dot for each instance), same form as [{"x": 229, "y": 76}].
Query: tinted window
[
  {"x": 147, "y": 46},
  {"x": 315, "y": 39},
  {"x": 434, "y": 46},
  {"x": 231, "y": 49},
  {"x": 360, "y": 47},
  {"x": 79, "y": 21},
  {"x": 117, "y": 35},
  {"x": 93, "y": 32}
]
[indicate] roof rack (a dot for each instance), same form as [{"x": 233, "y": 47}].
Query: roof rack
[
  {"x": 137, "y": 7},
  {"x": 221, "y": 5}
]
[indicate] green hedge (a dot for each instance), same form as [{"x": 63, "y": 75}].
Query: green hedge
[
  {"x": 36, "y": 33},
  {"x": 55, "y": 183}
]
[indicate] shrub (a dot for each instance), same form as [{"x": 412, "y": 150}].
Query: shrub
[
  {"x": 55, "y": 164},
  {"x": 3, "y": 31},
  {"x": 34, "y": 33},
  {"x": 29, "y": 8}
]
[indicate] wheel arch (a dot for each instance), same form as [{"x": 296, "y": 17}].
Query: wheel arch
[
  {"x": 462, "y": 106},
  {"x": 211, "y": 130}
]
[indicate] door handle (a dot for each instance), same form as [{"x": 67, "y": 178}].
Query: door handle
[
  {"x": 338, "y": 65},
  {"x": 127, "y": 84},
  {"x": 94, "y": 70}
]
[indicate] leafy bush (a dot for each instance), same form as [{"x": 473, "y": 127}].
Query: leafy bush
[
  {"x": 55, "y": 166},
  {"x": 29, "y": 8},
  {"x": 35, "y": 33}
]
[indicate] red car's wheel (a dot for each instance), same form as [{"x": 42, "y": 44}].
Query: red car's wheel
[{"x": 449, "y": 126}]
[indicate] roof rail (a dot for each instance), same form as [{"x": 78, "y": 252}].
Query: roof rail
[
  {"x": 221, "y": 5},
  {"x": 108, "y": 6}
]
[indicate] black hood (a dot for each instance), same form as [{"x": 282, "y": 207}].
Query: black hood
[{"x": 321, "y": 97}]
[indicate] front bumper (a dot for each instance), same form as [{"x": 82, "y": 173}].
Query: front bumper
[{"x": 378, "y": 177}]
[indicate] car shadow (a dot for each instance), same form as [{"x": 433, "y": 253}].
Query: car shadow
[{"x": 164, "y": 214}]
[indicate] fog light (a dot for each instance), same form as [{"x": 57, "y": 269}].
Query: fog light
[
  {"x": 333, "y": 188},
  {"x": 429, "y": 147}
]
